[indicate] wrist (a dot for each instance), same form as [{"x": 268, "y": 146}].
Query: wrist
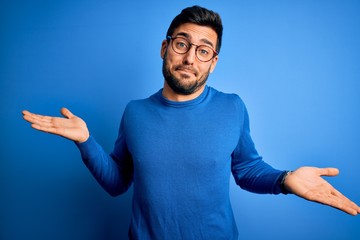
[
  {"x": 282, "y": 182},
  {"x": 83, "y": 138}
]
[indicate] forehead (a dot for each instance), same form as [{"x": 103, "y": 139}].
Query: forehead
[{"x": 197, "y": 34}]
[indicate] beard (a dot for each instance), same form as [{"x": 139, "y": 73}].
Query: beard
[{"x": 180, "y": 86}]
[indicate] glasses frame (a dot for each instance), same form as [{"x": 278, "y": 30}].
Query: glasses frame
[{"x": 169, "y": 38}]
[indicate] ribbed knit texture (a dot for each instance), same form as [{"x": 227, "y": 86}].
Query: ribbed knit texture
[{"x": 179, "y": 156}]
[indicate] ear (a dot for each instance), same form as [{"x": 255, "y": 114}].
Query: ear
[
  {"x": 164, "y": 46},
  {"x": 213, "y": 63}
]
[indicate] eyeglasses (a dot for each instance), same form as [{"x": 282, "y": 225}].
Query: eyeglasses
[{"x": 181, "y": 46}]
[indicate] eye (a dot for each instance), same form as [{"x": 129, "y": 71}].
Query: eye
[
  {"x": 204, "y": 51},
  {"x": 180, "y": 44}
]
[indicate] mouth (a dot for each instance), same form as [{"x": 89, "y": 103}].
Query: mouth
[{"x": 186, "y": 70}]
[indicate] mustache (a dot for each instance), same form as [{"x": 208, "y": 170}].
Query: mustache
[{"x": 187, "y": 68}]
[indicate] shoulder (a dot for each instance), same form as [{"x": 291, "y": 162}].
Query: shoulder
[
  {"x": 139, "y": 105},
  {"x": 230, "y": 99}
]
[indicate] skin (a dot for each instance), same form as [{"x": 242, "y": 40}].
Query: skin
[
  {"x": 307, "y": 183},
  {"x": 187, "y": 70}
]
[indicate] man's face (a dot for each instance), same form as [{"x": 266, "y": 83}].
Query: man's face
[{"x": 185, "y": 73}]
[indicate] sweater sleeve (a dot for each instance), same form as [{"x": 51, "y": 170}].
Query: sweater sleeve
[
  {"x": 114, "y": 172},
  {"x": 248, "y": 168}
]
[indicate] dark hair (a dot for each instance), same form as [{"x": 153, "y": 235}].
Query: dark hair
[{"x": 200, "y": 16}]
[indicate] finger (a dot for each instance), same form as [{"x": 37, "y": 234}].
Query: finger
[
  {"x": 331, "y": 200},
  {"x": 29, "y": 114},
  {"x": 35, "y": 118},
  {"x": 47, "y": 129},
  {"x": 331, "y": 172},
  {"x": 66, "y": 113},
  {"x": 25, "y": 112},
  {"x": 332, "y": 197},
  {"x": 41, "y": 124},
  {"x": 345, "y": 202}
]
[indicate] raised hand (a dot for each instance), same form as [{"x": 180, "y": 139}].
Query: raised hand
[
  {"x": 70, "y": 127},
  {"x": 306, "y": 182}
]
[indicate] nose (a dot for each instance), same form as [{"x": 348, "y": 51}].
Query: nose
[{"x": 190, "y": 56}]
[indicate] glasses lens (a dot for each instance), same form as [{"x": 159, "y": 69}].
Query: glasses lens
[
  {"x": 203, "y": 53},
  {"x": 181, "y": 45}
]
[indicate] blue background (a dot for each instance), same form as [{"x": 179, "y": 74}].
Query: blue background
[{"x": 294, "y": 63}]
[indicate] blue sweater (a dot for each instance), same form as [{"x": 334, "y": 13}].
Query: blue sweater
[{"x": 179, "y": 156}]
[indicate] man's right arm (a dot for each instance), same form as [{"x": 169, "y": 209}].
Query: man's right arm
[{"x": 113, "y": 172}]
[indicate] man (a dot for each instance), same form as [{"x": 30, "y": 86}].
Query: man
[{"x": 179, "y": 146}]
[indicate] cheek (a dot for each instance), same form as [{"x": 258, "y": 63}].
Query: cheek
[
  {"x": 172, "y": 61},
  {"x": 168, "y": 63},
  {"x": 205, "y": 69}
]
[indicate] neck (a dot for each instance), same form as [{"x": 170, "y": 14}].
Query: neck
[{"x": 169, "y": 94}]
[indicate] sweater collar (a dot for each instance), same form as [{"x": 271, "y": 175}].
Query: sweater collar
[{"x": 183, "y": 104}]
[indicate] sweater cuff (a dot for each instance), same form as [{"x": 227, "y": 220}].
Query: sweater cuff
[
  {"x": 281, "y": 180},
  {"x": 87, "y": 148}
]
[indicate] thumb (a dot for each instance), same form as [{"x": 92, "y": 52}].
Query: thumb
[
  {"x": 66, "y": 113},
  {"x": 331, "y": 172}
]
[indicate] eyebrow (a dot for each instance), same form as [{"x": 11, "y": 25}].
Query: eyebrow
[{"x": 204, "y": 40}]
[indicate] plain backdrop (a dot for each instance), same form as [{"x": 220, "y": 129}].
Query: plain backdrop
[{"x": 294, "y": 63}]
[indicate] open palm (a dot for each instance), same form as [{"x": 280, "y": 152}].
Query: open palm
[
  {"x": 69, "y": 126},
  {"x": 307, "y": 182}
]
